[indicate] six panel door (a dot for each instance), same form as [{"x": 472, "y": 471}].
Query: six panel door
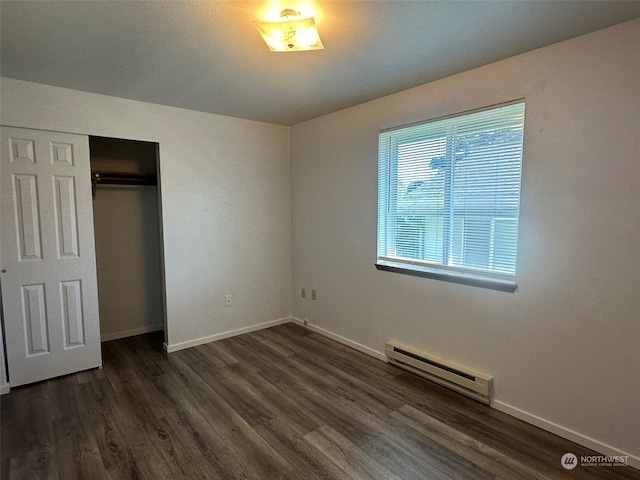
[{"x": 47, "y": 255}]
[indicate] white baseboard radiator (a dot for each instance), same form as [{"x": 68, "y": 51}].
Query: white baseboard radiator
[{"x": 461, "y": 379}]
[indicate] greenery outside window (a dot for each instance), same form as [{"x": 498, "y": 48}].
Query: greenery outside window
[{"x": 449, "y": 197}]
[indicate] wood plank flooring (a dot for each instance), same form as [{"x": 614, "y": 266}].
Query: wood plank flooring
[{"x": 282, "y": 403}]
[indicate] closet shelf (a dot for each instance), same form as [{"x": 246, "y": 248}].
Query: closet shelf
[{"x": 121, "y": 178}]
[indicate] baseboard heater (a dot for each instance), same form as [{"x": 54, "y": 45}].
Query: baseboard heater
[{"x": 461, "y": 379}]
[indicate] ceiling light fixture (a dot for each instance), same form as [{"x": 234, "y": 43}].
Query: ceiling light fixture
[{"x": 291, "y": 33}]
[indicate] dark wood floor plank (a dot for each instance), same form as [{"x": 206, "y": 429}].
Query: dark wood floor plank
[
  {"x": 136, "y": 411},
  {"x": 349, "y": 359},
  {"x": 262, "y": 395},
  {"x": 284, "y": 403},
  {"x": 77, "y": 452},
  {"x": 347, "y": 456},
  {"x": 248, "y": 447},
  {"x": 351, "y": 386},
  {"x": 403, "y": 461},
  {"x": 217, "y": 354},
  {"x": 35, "y": 453},
  {"x": 305, "y": 460},
  {"x": 188, "y": 420},
  {"x": 282, "y": 345},
  {"x": 227, "y": 382},
  {"x": 440, "y": 457},
  {"x": 531, "y": 445},
  {"x": 481, "y": 455},
  {"x": 316, "y": 402},
  {"x": 184, "y": 448}
]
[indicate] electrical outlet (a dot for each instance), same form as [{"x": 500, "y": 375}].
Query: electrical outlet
[
  {"x": 228, "y": 301},
  {"x": 313, "y": 295},
  {"x": 303, "y": 293}
]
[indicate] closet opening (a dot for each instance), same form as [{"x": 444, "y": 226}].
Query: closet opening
[{"x": 128, "y": 236}]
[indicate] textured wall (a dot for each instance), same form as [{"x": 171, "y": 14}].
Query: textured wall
[
  {"x": 225, "y": 200},
  {"x": 565, "y": 346}
]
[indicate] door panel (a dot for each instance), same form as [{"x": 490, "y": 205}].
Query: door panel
[
  {"x": 27, "y": 217},
  {"x": 49, "y": 286},
  {"x": 71, "y": 300},
  {"x": 34, "y": 319},
  {"x": 66, "y": 227}
]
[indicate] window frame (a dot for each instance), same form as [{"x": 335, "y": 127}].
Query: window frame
[{"x": 423, "y": 268}]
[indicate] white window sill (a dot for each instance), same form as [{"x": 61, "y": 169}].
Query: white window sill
[{"x": 448, "y": 276}]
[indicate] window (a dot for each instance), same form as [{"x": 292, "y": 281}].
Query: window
[{"x": 449, "y": 197}]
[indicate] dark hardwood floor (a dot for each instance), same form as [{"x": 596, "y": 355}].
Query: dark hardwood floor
[{"x": 281, "y": 403}]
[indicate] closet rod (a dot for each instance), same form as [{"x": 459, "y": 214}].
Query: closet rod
[{"x": 121, "y": 178}]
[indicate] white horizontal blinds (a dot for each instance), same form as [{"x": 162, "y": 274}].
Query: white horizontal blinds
[{"x": 449, "y": 191}]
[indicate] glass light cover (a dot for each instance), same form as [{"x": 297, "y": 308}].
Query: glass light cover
[{"x": 290, "y": 34}]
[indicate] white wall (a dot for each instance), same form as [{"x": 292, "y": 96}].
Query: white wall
[
  {"x": 566, "y": 346},
  {"x": 128, "y": 260},
  {"x": 225, "y": 201}
]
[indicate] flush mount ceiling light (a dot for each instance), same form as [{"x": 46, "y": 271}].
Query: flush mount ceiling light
[{"x": 291, "y": 33}]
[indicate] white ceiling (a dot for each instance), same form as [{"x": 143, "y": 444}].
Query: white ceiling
[{"x": 208, "y": 56}]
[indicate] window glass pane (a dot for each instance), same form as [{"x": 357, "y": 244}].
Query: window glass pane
[{"x": 449, "y": 191}]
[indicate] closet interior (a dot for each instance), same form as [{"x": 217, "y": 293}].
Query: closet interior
[{"x": 126, "y": 210}]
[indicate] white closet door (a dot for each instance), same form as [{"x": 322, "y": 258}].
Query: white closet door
[{"x": 47, "y": 255}]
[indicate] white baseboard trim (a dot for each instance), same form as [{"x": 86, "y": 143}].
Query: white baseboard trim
[
  {"x": 219, "y": 336},
  {"x": 130, "y": 333},
  {"x": 340, "y": 339},
  {"x": 580, "y": 439},
  {"x": 4, "y": 389}
]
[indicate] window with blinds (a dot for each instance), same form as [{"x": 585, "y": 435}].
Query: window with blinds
[{"x": 449, "y": 196}]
